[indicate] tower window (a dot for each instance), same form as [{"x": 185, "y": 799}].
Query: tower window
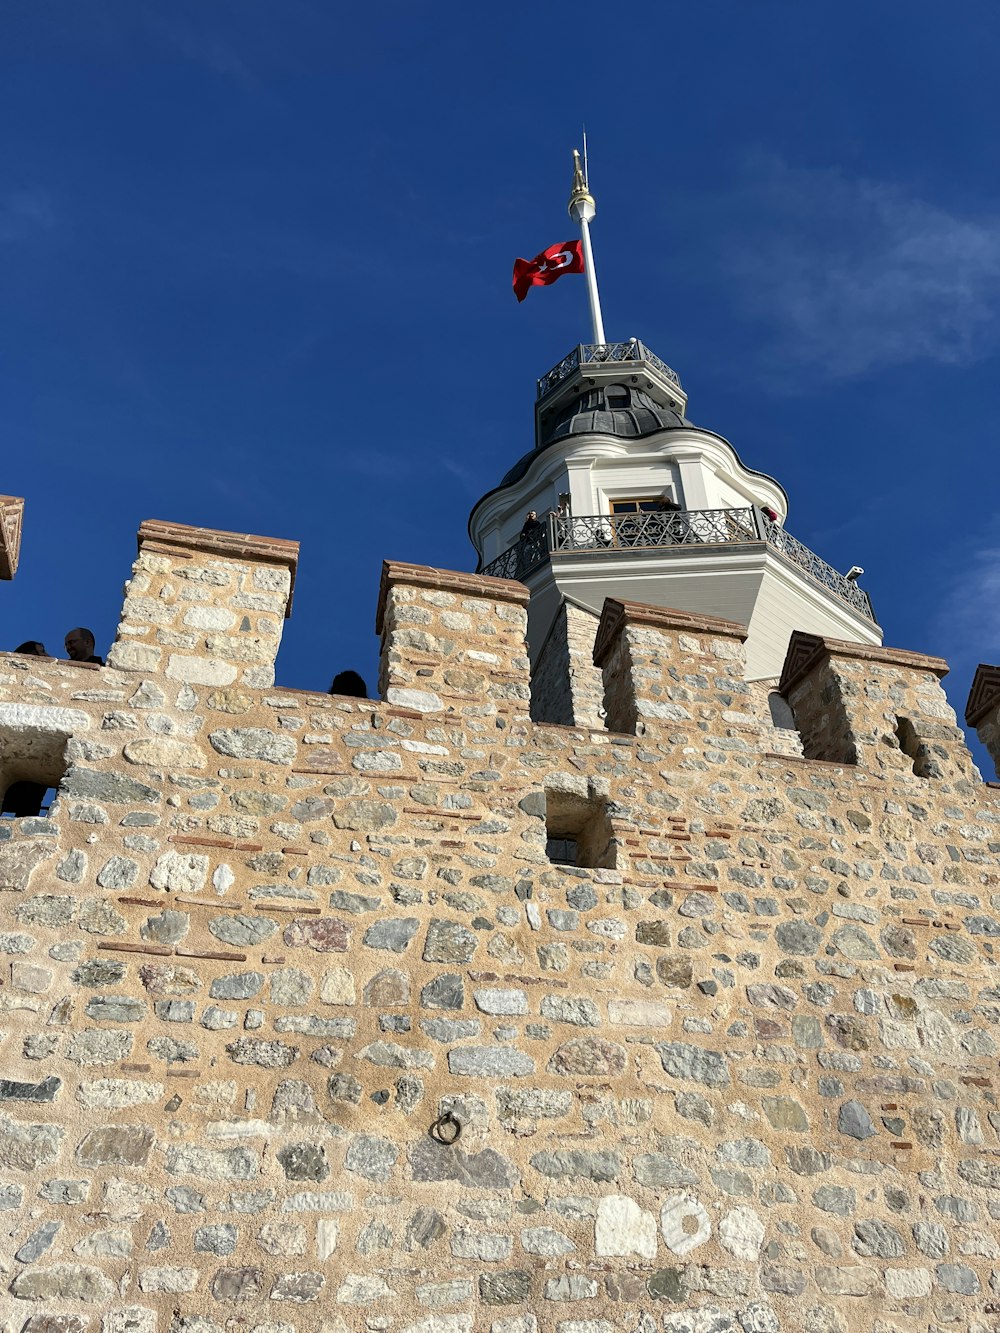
[
  {"x": 32, "y": 765},
  {"x": 577, "y": 828},
  {"x": 924, "y": 763},
  {"x": 617, "y": 397}
]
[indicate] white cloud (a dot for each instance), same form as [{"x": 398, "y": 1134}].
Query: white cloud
[
  {"x": 854, "y": 274},
  {"x": 969, "y": 615}
]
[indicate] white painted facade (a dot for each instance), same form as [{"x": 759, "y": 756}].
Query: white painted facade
[{"x": 753, "y": 582}]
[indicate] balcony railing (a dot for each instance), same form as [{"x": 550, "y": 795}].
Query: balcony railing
[
  {"x": 591, "y": 353},
  {"x": 681, "y": 527}
]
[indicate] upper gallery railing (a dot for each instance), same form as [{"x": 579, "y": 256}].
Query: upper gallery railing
[
  {"x": 590, "y": 353},
  {"x": 679, "y": 527}
]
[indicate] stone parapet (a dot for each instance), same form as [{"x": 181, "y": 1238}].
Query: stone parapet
[
  {"x": 205, "y": 607},
  {"x": 880, "y": 708},
  {"x": 306, "y": 1026},
  {"x": 452, "y": 643},
  {"x": 676, "y": 674},
  {"x": 982, "y": 710},
  {"x": 11, "y": 518},
  {"x": 566, "y": 687}
]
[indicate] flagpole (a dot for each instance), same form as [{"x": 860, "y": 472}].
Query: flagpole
[{"x": 581, "y": 209}]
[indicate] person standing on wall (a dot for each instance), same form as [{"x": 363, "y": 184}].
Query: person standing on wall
[{"x": 80, "y": 646}]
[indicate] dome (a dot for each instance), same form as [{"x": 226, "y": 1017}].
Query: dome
[{"x": 610, "y": 409}]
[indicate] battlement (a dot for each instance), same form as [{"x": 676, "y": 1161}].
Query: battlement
[{"x": 327, "y": 1014}]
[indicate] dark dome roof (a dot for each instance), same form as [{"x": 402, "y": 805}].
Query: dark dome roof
[{"x": 610, "y": 409}]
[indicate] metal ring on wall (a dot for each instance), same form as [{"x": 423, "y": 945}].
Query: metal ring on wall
[{"x": 446, "y": 1129}]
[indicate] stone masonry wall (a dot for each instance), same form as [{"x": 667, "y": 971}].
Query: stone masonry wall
[
  {"x": 271, "y": 949},
  {"x": 566, "y": 687}
]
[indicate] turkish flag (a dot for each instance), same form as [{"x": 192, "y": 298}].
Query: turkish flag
[{"x": 546, "y": 267}]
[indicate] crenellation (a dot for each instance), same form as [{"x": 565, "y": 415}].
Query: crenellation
[
  {"x": 738, "y": 1070},
  {"x": 879, "y": 708}
]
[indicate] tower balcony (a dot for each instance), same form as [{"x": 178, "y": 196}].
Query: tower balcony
[{"x": 653, "y": 535}]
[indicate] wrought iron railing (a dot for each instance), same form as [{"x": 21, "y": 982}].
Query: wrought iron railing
[
  {"x": 590, "y": 353},
  {"x": 659, "y": 528}
]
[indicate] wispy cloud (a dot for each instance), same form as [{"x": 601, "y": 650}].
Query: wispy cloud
[
  {"x": 969, "y": 614},
  {"x": 195, "y": 41},
  {"x": 853, "y": 274},
  {"x": 23, "y": 213}
]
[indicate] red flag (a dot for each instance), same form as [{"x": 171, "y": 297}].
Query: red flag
[{"x": 546, "y": 267}]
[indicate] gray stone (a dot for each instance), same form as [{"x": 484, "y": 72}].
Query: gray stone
[
  {"x": 257, "y": 1051},
  {"x": 174, "y": 1011},
  {"x": 797, "y": 937},
  {"x": 88, "y": 784},
  {"x": 297, "y": 1287},
  {"x": 588, "y": 1056},
  {"x": 931, "y": 1239},
  {"x": 682, "y": 1060},
  {"x": 448, "y": 942},
  {"x": 354, "y": 903},
  {"x": 508, "y": 1288},
  {"x": 93, "y": 1046},
  {"x": 237, "y": 986},
  {"x": 303, "y": 1161},
  {"x": 45, "y": 1091},
  {"x": 172, "y": 1050},
  {"x": 179, "y": 872},
  {"x": 237, "y": 1285},
  {"x": 658, "y": 1169},
  {"x": 218, "y": 1238},
  {"x": 185, "y": 1199},
  {"x": 578, "y": 1163},
  {"x": 837, "y": 1199},
  {"x": 63, "y": 1282},
  {"x": 878, "y": 1240},
  {"x": 501, "y": 1001},
  {"x": 242, "y": 931},
  {"x": 120, "y": 1145},
  {"x": 451, "y": 1029},
  {"x": 37, "y": 1243},
  {"x": 344, "y": 1088},
  {"x": 392, "y": 934},
  {"x": 167, "y": 979},
  {"x": 167, "y": 928},
  {"x": 47, "y": 909},
  {"x": 855, "y": 1121},
  {"x": 118, "y": 872},
  {"x": 445, "y": 992},
  {"x": 213, "y": 1163},
  {"x": 785, "y": 1113},
  {"x": 424, "y": 1228},
  {"x": 116, "y": 1009},
  {"x": 98, "y": 972},
  {"x": 216, "y": 1019},
  {"x": 290, "y": 986},
  {"x": 567, "y": 1009},
  {"x": 958, "y": 1278},
  {"x": 270, "y": 747},
  {"x": 487, "y": 1169},
  {"x": 98, "y": 917},
  {"x": 365, "y": 816},
  {"x": 371, "y": 1157},
  {"x": 490, "y": 1062}
]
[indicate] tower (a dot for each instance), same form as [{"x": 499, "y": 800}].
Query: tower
[{"x": 636, "y": 502}]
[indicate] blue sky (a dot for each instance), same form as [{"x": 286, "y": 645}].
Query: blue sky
[{"x": 255, "y": 273}]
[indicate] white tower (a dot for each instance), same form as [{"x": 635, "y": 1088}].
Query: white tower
[{"x": 636, "y": 502}]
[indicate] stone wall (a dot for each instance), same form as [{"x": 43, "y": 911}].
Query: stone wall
[
  {"x": 566, "y": 686},
  {"x": 271, "y": 949}
]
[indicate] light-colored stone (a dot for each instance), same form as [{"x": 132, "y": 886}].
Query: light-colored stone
[
  {"x": 623, "y": 1228},
  {"x": 685, "y": 1224}
]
